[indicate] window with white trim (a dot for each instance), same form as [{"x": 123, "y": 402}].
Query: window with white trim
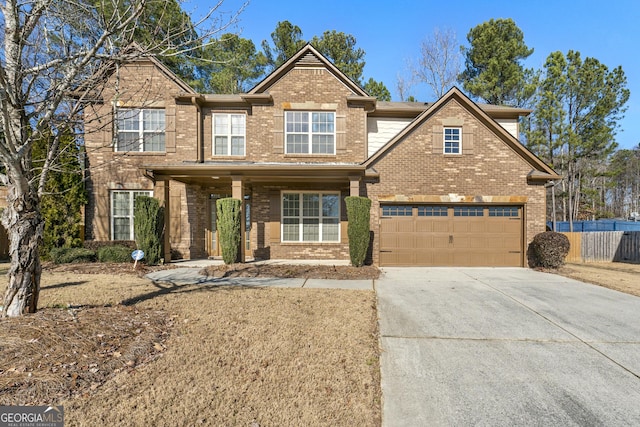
[
  {"x": 452, "y": 140},
  {"x": 122, "y": 206},
  {"x": 140, "y": 129},
  {"x": 310, "y": 217},
  {"x": 229, "y": 134},
  {"x": 310, "y": 132}
]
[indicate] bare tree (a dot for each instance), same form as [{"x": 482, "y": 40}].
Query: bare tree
[
  {"x": 56, "y": 55},
  {"x": 403, "y": 86},
  {"x": 438, "y": 64}
]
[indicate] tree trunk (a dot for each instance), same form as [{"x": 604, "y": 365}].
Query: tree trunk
[{"x": 24, "y": 226}]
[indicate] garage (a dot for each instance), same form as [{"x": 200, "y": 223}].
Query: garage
[{"x": 451, "y": 235}]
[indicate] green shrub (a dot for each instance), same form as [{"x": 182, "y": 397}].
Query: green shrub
[
  {"x": 94, "y": 245},
  {"x": 358, "y": 214},
  {"x": 114, "y": 254},
  {"x": 69, "y": 255},
  {"x": 147, "y": 226},
  {"x": 550, "y": 249},
  {"x": 229, "y": 223}
]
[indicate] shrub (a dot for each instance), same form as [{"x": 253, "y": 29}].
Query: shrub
[
  {"x": 358, "y": 214},
  {"x": 114, "y": 254},
  {"x": 229, "y": 223},
  {"x": 147, "y": 226},
  {"x": 69, "y": 255},
  {"x": 94, "y": 245},
  {"x": 550, "y": 249}
]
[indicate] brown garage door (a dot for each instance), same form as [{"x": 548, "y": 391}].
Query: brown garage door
[{"x": 429, "y": 235}]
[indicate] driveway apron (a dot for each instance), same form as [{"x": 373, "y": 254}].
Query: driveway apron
[{"x": 506, "y": 346}]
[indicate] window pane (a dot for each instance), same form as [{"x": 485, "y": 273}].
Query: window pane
[
  {"x": 311, "y": 205},
  {"x": 297, "y": 143},
  {"x": 221, "y": 124},
  {"x": 330, "y": 229},
  {"x": 396, "y": 210},
  {"x": 154, "y": 142},
  {"x": 509, "y": 211},
  {"x": 468, "y": 211},
  {"x": 153, "y": 120},
  {"x": 237, "y": 145},
  {"x": 330, "y": 205},
  {"x": 220, "y": 146},
  {"x": 432, "y": 211},
  {"x": 237, "y": 124},
  {"x": 323, "y": 122},
  {"x": 291, "y": 205},
  {"x": 121, "y": 229},
  {"x": 290, "y": 230},
  {"x": 121, "y": 203},
  {"x": 322, "y": 144},
  {"x": 128, "y": 119},
  {"x": 311, "y": 230},
  {"x": 128, "y": 141}
]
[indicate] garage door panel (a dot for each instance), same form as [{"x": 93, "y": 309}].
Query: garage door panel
[{"x": 492, "y": 239}]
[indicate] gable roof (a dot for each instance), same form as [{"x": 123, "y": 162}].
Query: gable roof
[
  {"x": 541, "y": 171},
  {"x": 307, "y": 56},
  {"x": 168, "y": 73}
]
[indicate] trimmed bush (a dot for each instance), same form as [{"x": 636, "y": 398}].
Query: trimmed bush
[
  {"x": 114, "y": 254},
  {"x": 358, "y": 214},
  {"x": 69, "y": 255},
  {"x": 94, "y": 245},
  {"x": 550, "y": 249},
  {"x": 229, "y": 223},
  {"x": 147, "y": 226}
]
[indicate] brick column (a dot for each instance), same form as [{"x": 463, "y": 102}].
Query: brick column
[
  {"x": 354, "y": 185},
  {"x": 237, "y": 192},
  {"x": 162, "y": 193}
]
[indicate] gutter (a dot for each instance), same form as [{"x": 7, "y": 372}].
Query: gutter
[{"x": 195, "y": 101}]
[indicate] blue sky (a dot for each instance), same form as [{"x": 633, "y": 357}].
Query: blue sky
[{"x": 390, "y": 32}]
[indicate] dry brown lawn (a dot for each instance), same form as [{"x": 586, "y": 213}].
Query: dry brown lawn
[
  {"x": 613, "y": 275},
  {"x": 194, "y": 355}
]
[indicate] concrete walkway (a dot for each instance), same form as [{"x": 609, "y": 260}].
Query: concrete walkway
[
  {"x": 504, "y": 347},
  {"x": 188, "y": 272}
]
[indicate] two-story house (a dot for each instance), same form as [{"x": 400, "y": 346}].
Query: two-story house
[{"x": 450, "y": 183}]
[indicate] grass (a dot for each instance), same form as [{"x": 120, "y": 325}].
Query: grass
[{"x": 224, "y": 355}]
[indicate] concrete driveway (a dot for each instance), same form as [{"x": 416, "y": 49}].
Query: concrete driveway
[{"x": 508, "y": 346}]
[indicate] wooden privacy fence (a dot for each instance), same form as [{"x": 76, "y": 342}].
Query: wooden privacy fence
[{"x": 604, "y": 246}]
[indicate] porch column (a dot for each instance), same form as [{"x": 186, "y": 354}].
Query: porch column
[
  {"x": 167, "y": 222},
  {"x": 354, "y": 185},
  {"x": 237, "y": 192}
]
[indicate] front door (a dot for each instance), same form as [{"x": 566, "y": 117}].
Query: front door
[{"x": 213, "y": 241}]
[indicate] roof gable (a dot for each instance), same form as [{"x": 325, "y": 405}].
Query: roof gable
[
  {"x": 310, "y": 57},
  {"x": 540, "y": 169}
]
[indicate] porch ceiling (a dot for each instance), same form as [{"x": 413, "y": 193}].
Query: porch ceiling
[{"x": 217, "y": 174}]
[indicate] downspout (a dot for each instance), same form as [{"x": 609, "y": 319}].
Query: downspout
[{"x": 195, "y": 100}]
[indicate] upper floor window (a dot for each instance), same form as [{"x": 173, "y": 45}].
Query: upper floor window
[
  {"x": 229, "y": 134},
  {"x": 310, "y": 132},
  {"x": 452, "y": 141},
  {"x": 140, "y": 129}
]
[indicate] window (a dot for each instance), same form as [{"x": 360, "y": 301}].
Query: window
[
  {"x": 310, "y": 217},
  {"x": 122, "y": 204},
  {"x": 511, "y": 211},
  {"x": 432, "y": 211},
  {"x": 140, "y": 130},
  {"x": 309, "y": 132},
  {"x": 395, "y": 210},
  {"x": 229, "y": 134},
  {"x": 452, "y": 141},
  {"x": 468, "y": 211}
]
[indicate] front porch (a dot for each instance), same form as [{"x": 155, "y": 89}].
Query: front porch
[{"x": 266, "y": 191}]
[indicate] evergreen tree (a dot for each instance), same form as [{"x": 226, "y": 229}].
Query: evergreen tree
[{"x": 493, "y": 63}]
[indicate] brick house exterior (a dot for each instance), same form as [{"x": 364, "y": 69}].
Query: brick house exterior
[{"x": 292, "y": 148}]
